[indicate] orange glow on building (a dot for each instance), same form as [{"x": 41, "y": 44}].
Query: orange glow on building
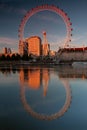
[
  {"x": 34, "y": 45},
  {"x": 45, "y": 49},
  {"x": 45, "y": 45},
  {"x": 52, "y": 53}
]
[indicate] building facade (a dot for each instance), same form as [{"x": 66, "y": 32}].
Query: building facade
[
  {"x": 34, "y": 45},
  {"x": 45, "y": 49},
  {"x": 23, "y": 48},
  {"x": 5, "y": 50}
]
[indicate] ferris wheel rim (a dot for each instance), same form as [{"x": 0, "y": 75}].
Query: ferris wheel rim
[
  {"x": 40, "y": 8},
  {"x": 58, "y": 114}
]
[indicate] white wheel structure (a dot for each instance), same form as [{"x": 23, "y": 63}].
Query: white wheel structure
[
  {"x": 52, "y": 8},
  {"x": 44, "y": 116}
]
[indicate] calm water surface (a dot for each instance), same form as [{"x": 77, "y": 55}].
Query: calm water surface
[{"x": 43, "y": 98}]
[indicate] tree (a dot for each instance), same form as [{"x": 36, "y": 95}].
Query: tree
[{"x": 3, "y": 57}]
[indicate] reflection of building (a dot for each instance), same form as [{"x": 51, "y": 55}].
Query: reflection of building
[
  {"x": 33, "y": 78},
  {"x": 22, "y": 81},
  {"x": 30, "y": 78},
  {"x": 72, "y": 72},
  {"x": 34, "y": 45},
  {"x": 43, "y": 116},
  {"x": 45, "y": 80}
]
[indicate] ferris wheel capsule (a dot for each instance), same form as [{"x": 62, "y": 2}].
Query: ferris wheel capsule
[
  {"x": 68, "y": 18},
  {"x": 66, "y": 14},
  {"x": 71, "y": 29},
  {"x": 70, "y": 23}
]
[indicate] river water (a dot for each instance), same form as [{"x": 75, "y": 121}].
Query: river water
[{"x": 43, "y": 97}]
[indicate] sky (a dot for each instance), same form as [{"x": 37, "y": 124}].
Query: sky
[{"x": 13, "y": 11}]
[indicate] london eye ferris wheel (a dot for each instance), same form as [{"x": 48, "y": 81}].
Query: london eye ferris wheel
[{"x": 52, "y": 8}]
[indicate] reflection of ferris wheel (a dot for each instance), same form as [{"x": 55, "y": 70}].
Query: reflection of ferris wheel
[
  {"x": 53, "y": 8},
  {"x": 43, "y": 116}
]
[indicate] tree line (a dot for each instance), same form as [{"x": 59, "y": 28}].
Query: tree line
[{"x": 15, "y": 57}]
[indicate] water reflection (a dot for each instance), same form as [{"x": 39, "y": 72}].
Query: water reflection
[
  {"x": 43, "y": 116},
  {"x": 72, "y": 72},
  {"x": 36, "y": 77},
  {"x": 28, "y": 73}
]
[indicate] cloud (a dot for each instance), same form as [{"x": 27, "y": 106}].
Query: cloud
[
  {"x": 50, "y": 18},
  {"x": 20, "y": 11},
  {"x": 80, "y": 39},
  {"x": 9, "y": 41},
  {"x": 56, "y": 41},
  {"x": 9, "y": 8},
  {"x": 55, "y": 44},
  {"x": 77, "y": 38}
]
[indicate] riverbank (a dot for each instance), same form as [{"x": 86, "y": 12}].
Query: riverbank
[{"x": 28, "y": 63}]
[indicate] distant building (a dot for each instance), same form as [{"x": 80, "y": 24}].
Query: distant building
[
  {"x": 25, "y": 48},
  {"x": 5, "y": 50},
  {"x": 21, "y": 48},
  {"x": 45, "y": 49},
  {"x": 34, "y": 45},
  {"x": 9, "y": 51},
  {"x": 52, "y": 53},
  {"x": 45, "y": 45}
]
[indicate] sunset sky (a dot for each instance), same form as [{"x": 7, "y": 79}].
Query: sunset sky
[{"x": 12, "y": 11}]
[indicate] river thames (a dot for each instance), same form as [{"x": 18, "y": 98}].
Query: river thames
[{"x": 43, "y": 97}]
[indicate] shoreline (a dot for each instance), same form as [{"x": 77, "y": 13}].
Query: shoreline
[{"x": 28, "y": 63}]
